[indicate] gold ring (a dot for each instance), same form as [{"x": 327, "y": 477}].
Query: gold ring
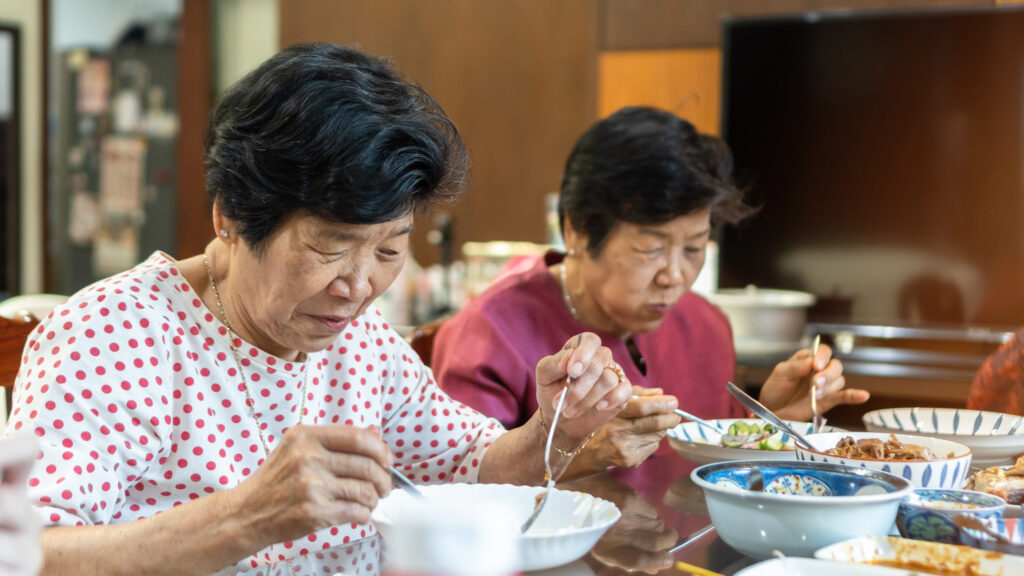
[{"x": 616, "y": 369}]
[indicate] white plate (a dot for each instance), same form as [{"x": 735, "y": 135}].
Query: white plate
[
  {"x": 813, "y": 567},
  {"x": 569, "y": 526},
  {"x": 996, "y": 439},
  {"x": 922, "y": 556},
  {"x": 702, "y": 446}
]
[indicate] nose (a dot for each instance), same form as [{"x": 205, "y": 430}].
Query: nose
[
  {"x": 353, "y": 280},
  {"x": 672, "y": 273}
]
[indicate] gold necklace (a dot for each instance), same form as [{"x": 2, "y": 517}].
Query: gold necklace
[
  {"x": 565, "y": 291},
  {"x": 241, "y": 371}
]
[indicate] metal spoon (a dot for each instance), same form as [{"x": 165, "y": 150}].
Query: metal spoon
[
  {"x": 406, "y": 483},
  {"x": 759, "y": 409},
  {"x": 547, "y": 463},
  {"x": 817, "y": 422},
  {"x": 730, "y": 439}
]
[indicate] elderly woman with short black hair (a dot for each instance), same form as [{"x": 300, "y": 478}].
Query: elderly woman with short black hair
[
  {"x": 241, "y": 407},
  {"x": 641, "y": 194}
]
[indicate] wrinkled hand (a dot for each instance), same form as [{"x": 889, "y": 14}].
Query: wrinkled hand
[
  {"x": 318, "y": 476},
  {"x": 596, "y": 393},
  {"x": 20, "y": 551},
  {"x": 635, "y": 432},
  {"x": 787, "y": 392}
]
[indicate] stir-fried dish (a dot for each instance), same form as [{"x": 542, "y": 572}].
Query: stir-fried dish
[
  {"x": 878, "y": 449},
  {"x": 1007, "y": 483}
]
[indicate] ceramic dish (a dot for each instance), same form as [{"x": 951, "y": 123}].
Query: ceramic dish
[
  {"x": 569, "y": 526},
  {"x": 928, "y": 557},
  {"x": 930, "y": 514},
  {"x": 801, "y": 506},
  {"x": 996, "y": 439},
  {"x": 815, "y": 567},
  {"x": 702, "y": 446},
  {"x": 943, "y": 472}
]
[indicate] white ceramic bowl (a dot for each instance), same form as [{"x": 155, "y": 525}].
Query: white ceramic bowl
[
  {"x": 569, "y": 526},
  {"x": 943, "y": 472},
  {"x": 702, "y": 446},
  {"x": 996, "y": 439},
  {"x": 804, "y": 505}
]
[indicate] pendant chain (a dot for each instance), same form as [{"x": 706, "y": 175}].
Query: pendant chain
[{"x": 241, "y": 371}]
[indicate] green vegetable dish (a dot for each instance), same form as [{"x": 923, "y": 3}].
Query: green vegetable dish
[{"x": 753, "y": 436}]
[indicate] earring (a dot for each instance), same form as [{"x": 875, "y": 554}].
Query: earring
[
  {"x": 223, "y": 233},
  {"x": 572, "y": 252}
]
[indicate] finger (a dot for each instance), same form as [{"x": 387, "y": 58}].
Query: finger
[
  {"x": 581, "y": 354},
  {"x": 589, "y": 388},
  {"x": 850, "y": 396},
  {"x": 356, "y": 491},
  {"x": 360, "y": 468},
  {"x": 823, "y": 356},
  {"x": 641, "y": 391},
  {"x": 350, "y": 440},
  {"x": 657, "y": 423},
  {"x": 648, "y": 405}
]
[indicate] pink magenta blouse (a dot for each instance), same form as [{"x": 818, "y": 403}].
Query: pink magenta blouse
[{"x": 485, "y": 355}]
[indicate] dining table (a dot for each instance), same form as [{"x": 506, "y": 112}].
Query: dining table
[{"x": 664, "y": 529}]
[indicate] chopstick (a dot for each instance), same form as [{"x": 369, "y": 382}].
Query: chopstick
[
  {"x": 695, "y": 570},
  {"x": 816, "y": 422}
]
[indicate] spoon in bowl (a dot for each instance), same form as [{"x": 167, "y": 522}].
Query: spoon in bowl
[
  {"x": 757, "y": 408},
  {"x": 732, "y": 440}
]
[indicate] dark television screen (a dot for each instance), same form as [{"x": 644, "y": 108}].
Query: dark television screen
[{"x": 886, "y": 150}]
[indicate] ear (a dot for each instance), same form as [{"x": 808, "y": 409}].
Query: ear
[
  {"x": 575, "y": 243},
  {"x": 222, "y": 226}
]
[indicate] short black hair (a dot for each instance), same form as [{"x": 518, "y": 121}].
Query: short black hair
[
  {"x": 331, "y": 130},
  {"x": 646, "y": 166}
]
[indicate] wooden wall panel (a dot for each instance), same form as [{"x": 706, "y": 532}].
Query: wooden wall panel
[
  {"x": 686, "y": 82},
  {"x": 518, "y": 77},
  {"x": 195, "y": 94},
  {"x": 659, "y": 24}
]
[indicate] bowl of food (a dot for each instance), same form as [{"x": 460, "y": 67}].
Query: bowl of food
[
  {"x": 568, "y": 527},
  {"x": 702, "y": 446},
  {"x": 758, "y": 506},
  {"x": 1007, "y": 482},
  {"x": 933, "y": 514},
  {"x": 917, "y": 557},
  {"x": 926, "y": 462},
  {"x": 996, "y": 439}
]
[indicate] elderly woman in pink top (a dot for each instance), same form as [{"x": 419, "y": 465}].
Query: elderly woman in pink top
[
  {"x": 241, "y": 408},
  {"x": 641, "y": 195}
]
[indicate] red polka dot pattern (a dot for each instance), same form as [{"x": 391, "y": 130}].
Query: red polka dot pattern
[{"x": 133, "y": 391}]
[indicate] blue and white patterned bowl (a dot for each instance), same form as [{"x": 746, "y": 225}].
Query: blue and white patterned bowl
[
  {"x": 702, "y": 446},
  {"x": 996, "y": 439},
  {"x": 928, "y": 513},
  {"x": 944, "y": 472},
  {"x": 802, "y": 507}
]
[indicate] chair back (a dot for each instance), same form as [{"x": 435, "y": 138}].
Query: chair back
[
  {"x": 422, "y": 338},
  {"x": 13, "y": 334}
]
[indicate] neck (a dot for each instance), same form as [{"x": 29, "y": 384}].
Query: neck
[{"x": 582, "y": 308}]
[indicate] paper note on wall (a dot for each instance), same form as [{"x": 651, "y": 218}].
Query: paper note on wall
[
  {"x": 93, "y": 87},
  {"x": 121, "y": 173}
]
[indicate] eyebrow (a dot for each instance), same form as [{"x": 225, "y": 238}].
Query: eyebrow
[
  {"x": 345, "y": 235},
  {"x": 660, "y": 234}
]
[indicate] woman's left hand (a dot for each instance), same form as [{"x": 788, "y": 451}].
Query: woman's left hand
[
  {"x": 787, "y": 392},
  {"x": 597, "y": 391}
]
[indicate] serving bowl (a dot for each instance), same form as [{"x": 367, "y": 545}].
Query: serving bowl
[
  {"x": 929, "y": 514},
  {"x": 996, "y": 439},
  {"x": 918, "y": 557},
  {"x": 947, "y": 470},
  {"x": 803, "y": 506},
  {"x": 569, "y": 526},
  {"x": 702, "y": 446}
]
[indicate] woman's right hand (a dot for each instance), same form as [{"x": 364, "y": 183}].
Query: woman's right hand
[{"x": 318, "y": 476}]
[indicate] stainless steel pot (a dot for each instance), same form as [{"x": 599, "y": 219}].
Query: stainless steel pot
[{"x": 764, "y": 321}]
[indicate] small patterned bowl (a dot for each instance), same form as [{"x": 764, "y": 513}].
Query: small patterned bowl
[
  {"x": 801, "y": 507},
  {"x": 948, "y": 470},
  {"x": 927, "y": 514}
]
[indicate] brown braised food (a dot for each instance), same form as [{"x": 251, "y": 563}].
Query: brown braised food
[
  {"x": 1007, "y": 483},
  {"x": 878, "y": 449}
]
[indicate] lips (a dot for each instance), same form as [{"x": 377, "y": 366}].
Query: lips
[{"x": 333, "y": 323}]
